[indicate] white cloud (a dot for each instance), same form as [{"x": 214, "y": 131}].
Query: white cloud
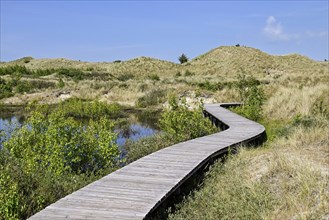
[{"x": 274, "y": 31}]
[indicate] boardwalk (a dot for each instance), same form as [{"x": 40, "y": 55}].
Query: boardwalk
[{"x": 136, "y": 190}]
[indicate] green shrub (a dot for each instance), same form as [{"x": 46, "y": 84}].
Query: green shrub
[
  {"x": 9, "y": 70},
  {"x": 188, "y": 73},
  {"x": 125, "y": 77},
  {"x": 43, "y": 72},
  {"x": 210, "y": 86},
  {"x": 183, "y": 58},
  {"x": 23, "y": 86},
  {"x": 51, "y": 156},
  {"x": 154, "y": 77},
  {"x": 61, "y": 84},
  {"x": 5, "y": 89},
  {"x": 252, "y": 97},
  {"x": 75, "y": 74},
  {"x": 80, "y": 109},
  {"x": 183, "y": 123},
  {"x": 178, "y": 74}
]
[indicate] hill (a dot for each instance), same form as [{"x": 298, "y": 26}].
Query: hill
[{"x": 127, "y": 81}]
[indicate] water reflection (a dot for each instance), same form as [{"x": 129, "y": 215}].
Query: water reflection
[{"x": 132, "y": 129}]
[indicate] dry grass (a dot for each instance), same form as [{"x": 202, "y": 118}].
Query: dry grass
[
  {"x": 288, "y": 179},
  {"x": 223, "y": 64},
  {"x": 286, "y": 102}
]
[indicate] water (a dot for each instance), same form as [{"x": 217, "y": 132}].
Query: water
[{"x": 134, "y": 131}]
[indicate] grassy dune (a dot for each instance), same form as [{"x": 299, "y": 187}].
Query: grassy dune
[{"x": 126, "y": 81}]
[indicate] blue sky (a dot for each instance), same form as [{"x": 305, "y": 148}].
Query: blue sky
[{"x": 113, "y": 30}]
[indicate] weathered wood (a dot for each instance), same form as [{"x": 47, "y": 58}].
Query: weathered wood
[{"x": 136, "y": 190}]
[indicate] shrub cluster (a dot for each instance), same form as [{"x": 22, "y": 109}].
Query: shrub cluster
[
  {"x": 49, "y": 157},
  {"x": 15, "y": 84},
  {"x": 252, "y": 96},
  {"x": 5, "y": 89},
  {"x": 75, "y": 74},
  {"x": 154, "y": 77},
  {"x": 183, "y": 123},
  {"x": 84, "y": 109},
  {"x": 215, "y": 86},
  {"x": 125, "y": 77}
]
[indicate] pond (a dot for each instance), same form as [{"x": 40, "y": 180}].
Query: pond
[{"x": 137, "y": 126}]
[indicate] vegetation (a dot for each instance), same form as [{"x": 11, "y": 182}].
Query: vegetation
[
  {"x": 183, "y": 123},
  {"x": 252, "y": 97},
  {"x": 283, "y": 179},
  {"x": 79, "y": 108},
  {"x": 51, "y": 156},
  {"x": 178, "y": 123},
  {"x": 152, "y": 98},
  {"x": 182, "y": 58},
  {"x": 288, "y": 94},
  {"x": 5, "y": 89}
]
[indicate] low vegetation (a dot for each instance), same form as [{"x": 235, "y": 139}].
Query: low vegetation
[{"x": 51, "y": 156}]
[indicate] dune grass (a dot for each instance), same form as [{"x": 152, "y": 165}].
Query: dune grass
[
  {"x": 284, "y": 179},
  {"x": 209, "y": 75}
]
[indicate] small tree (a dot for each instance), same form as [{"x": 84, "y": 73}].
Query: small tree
[{"x": 183, "y": 58}]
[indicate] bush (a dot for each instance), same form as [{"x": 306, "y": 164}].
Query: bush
[
  {"x": 80, "y": 109},
  {"x": 183, "y": 58},
  {"x": 188, "y": 73},
  {"x": 183, "y": 123},
  {"x": 125, "y": 77},
  {"x": 210, "y": 86},
  {"x": 252, "y": 96},
  {"x": 5, "y": 89},
  {"x": 154, "y": 77},
  {"x": 61, "y": 83},
  {"x": 9, "y": 70},
  {"x": 49, "y": 157},
  {"x": 23, "y": 86}
]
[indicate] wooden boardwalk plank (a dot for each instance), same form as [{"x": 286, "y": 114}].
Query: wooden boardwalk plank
[{"x": 135, "y": 190}]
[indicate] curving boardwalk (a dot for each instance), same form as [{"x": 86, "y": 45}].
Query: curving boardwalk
[{"x": 136, "y": 190}]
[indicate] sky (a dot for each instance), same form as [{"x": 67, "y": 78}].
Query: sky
[{"x": 100, "y": 31}]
